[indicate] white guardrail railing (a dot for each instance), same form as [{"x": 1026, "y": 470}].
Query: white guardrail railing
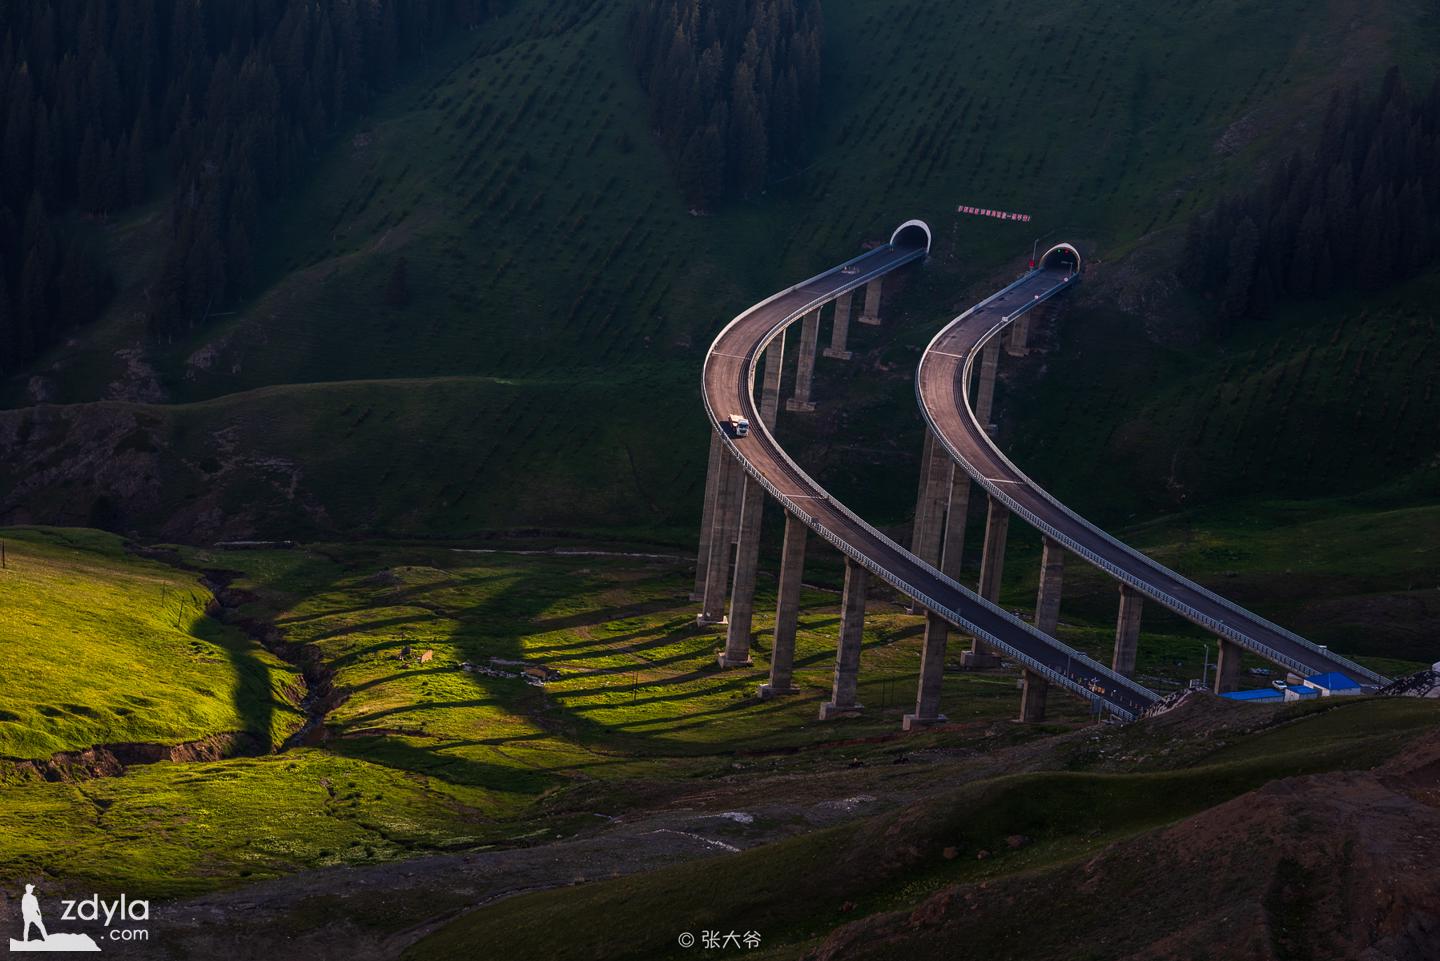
[
  {"x": 1078, "y": 658},
  {"x": 1148, "y": 588}
]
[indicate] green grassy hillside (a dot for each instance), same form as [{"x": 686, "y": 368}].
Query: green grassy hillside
[
  {"x": 419, "y": 755},
  {"x": 549, "y": 249},
  {"x": 101, "y": 647},
  {"x": 422, "y": 755}
]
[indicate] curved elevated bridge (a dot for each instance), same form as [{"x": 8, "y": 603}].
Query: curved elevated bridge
[{"x": 746, "y": 468}]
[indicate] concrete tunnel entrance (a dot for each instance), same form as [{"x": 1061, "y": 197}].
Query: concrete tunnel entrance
[
  {"x": 1061, "y": 257},
  {"x": 912, "y": 233}
]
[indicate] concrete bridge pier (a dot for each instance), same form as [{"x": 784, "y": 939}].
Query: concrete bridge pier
[
  {"x": 985, "y": 396},
  {"x": 787, "y": 611},
  {"x": 805, "y": 371},
  {"x": 1033, "y": 691},
  {"x": 707, "y": 515},
  {"x": 932, "y": 675},
  {"x": 742, "y": 595},
  {"x": 992, "y": 560},
  {"x": 1033, "y": 687},
  {"x": 770, "y": 386},
  {"x": 840, "y": 328},
  {"x": 847, "y": 653},
  {"x": 1227, "y": 666},
  {"x": 723, "y": 529},
  {"x": 992, "y": 567},
  {"x": 1127, "y": 631},
  {"x": 1019, "y": 333},
  {"x": 871, "y": 314},
  {"x": 952, "y": 552},
  {"x": 724, "y": 489},
  {"x": 935, "y": 480}
]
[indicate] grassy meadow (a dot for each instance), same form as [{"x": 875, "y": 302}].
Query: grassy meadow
[{"x": 104, "y": 647}]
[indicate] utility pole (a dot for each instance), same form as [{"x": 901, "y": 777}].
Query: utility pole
[{"x": 1205, "y": 670}]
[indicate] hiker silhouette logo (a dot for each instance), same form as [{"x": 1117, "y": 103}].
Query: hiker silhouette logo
[{"x": 35, "y": 937}]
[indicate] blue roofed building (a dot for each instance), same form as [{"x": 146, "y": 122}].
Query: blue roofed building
[
  {"x": 1299, "y": 692},
  {"x": 1332, "y": 684},
  {"x": 1259, "y": 695}
]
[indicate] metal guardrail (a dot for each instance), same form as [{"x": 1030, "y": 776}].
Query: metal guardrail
[
  {"x": 1168, "y": 600},
  {"x": 953, "y": 616}
]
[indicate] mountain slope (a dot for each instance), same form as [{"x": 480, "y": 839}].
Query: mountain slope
[{"x": 546, "y": 242}]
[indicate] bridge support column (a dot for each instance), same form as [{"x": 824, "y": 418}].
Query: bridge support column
[
  {"x": 787, "y": 610},
  {"x": 985, "y": 398},
  {"x": 707, "y": 514},
  {"x": 742, "y": 596},
  {"x": 1052, "y": 577},
  {"x": 770, "y": 389},
  {"x": 992, "y": 567},
  {"x": 1033, "y": 689},
  {"x": 871, "y": 314},
  {"x": 932, "y": 675},
  {"x": 847, "y": 653},
  {"x": 805, "y": 372},
  {"x": 1227, "y": 666},
  {"x": 935, "y": 468},
  {"x": 1127, "y": 631},
  {"x": 840, "y": 328},
  {"x": 992, "y": 561},
  {"x": 952, "y": 554},
  {"x": 722, "y": 537},
  {"x": 1019, "y": 334}
]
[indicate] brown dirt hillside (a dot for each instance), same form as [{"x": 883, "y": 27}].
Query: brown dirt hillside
[{"x": 1331, "y": 867}]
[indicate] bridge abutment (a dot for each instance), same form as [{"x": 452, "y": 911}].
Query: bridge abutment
[
  {"x": 1127, "y": 631},
  {"x": 787, "y": 610},
  {"x": 932, "y": 675},
  {"x": 805, "y": 369},
  {"x": 847, "y": 652}
]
